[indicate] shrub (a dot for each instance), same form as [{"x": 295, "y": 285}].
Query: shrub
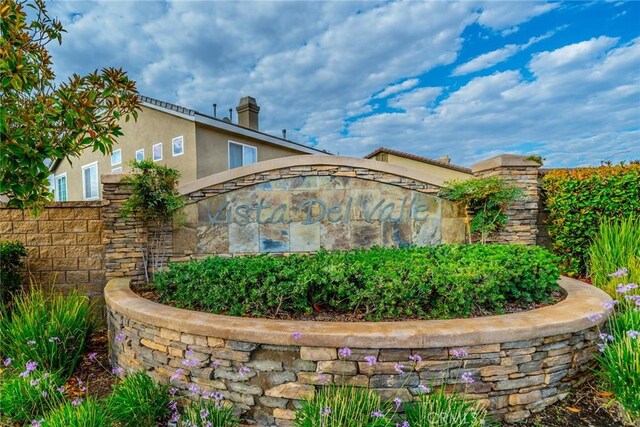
[
  {"x": 88, "y": 413},
  {"x": 578, "y": 199},
  {"x": 208, "y": 413},
  {"x": 48, "y": 329},
  {"x": 620, "y": 357},
  {"x": 11, "y": 254},
  {"x": 138, "y": 401},
  {"x": 440, "y": 410},
  {"x": 380, "y": 283},
  {"x": 616, "y": 246},
  {"x": 485, "y": 201},
  {"x": 344, "y": 406},
  {"x": 28, "y": 397}
]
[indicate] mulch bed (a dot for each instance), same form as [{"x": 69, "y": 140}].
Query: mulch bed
[{"x": 93, "y": 375}]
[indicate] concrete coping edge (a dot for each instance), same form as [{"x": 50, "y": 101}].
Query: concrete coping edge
[
  {"x": 570, "y": 315},
  {"x": 505, "y": 161}
]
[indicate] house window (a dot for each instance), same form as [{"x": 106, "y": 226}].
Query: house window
[
  {"x": 177, "y": 146},
  {"x": 90, "y": 181},
  {"x": 157, "y": 152},
  {"x": 116, "y": 157},
  {"x": 117, "y": 170},
  {"x": 140, "y": 155},
  {"x": 60, "y": 192},
  {"x": 241, "y": 155}
]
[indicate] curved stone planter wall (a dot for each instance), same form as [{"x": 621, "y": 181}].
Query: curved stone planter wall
[{"x": 521, "y": 362}]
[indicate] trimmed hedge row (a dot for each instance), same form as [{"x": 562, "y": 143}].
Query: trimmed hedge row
[
  {"x": 380, "y": 283},
  {"x": 578, "y": 199}
]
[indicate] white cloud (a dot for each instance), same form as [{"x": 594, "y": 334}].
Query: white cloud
[
  {"x": 400, "y": 87},
  {"x": 500, "y": 15}
]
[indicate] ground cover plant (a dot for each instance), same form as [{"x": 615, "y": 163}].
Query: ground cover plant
[
  {"x": 380, "y": 283},
  {"x": 577, "y": 200},
  {"x": 138, "y": 401}
]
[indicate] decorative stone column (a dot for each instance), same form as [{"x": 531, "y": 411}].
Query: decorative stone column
[{"x": 522, "y": 171}]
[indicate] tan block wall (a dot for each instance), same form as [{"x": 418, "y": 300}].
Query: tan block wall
[
  {"x": 64, "y": 245},
  {"x": 446, "y": 173}
]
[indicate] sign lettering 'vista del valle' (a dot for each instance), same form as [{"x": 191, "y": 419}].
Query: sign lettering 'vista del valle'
[{"x": 308, "y": 212}]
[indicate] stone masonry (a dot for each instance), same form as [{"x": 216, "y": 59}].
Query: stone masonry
[
  {"x": 64, "y": 245},
  {"x": 267, "y": 382}
]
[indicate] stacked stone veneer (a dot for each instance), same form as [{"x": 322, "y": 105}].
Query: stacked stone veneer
[
  {"x": 64, "y": 245},
  {"x": 521, "y": 171},
  {"x": 513, "y": 378}
]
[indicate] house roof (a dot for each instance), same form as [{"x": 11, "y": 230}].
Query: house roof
[
  {"x": 417, "y": 158},
  {"x": 226, "y": 125}
]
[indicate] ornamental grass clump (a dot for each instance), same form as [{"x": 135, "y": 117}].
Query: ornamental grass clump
[
  {"x": 85, "y": 413},
  {"x": 344, "y": 406},
  {"x": 138, "y": 401},
  {"x": 208, "y": 413},
  {"x": 438, "y": 409},
  {"x": 614, "y": 254},
  {"x": 30, "y": 394},
  {"x": 50, "y": 330}
]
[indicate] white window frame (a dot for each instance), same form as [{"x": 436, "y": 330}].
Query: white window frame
[
  {"x": 140, "y": 151},
  {"x": 84, "y": 190},
  {"x": 117, "y": 170},
  {"x": 56, "y": 193},
  {"x": 153, "y": 152},
  {"x": 243, "y": 145},
  {"x": 119, "y": 151},
  {"x": 173, "y": 147}
]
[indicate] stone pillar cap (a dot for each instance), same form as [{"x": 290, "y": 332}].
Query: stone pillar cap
[{"x": 505, "y": 161}]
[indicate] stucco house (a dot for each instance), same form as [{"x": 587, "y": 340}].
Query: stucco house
[
  {"x": 194, "y": 143},
  {"x": 441, "y": 167}
]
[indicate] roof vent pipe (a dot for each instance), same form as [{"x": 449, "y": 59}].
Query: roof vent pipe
[
  {"x": 231, "y": 114},
  {"x": 215, "y": 111},
  {"x": 284, "y": 134}
]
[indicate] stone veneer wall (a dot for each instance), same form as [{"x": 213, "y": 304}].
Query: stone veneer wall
[
  {"x": 514, "y": 376},
  {"x": 64, "y": 245},
  {"x": 522, "y": 225}
]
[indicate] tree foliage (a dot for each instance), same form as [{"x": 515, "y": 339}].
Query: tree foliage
[
  {"x": 154, "y": 200},
  {"x": 485, "y": 201},
  {"x": 42, "y": 122}
]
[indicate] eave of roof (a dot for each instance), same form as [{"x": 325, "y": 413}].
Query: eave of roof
[{"x": 417, "y": 158}]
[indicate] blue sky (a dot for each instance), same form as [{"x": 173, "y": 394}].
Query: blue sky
[{"x": 465, "y": 79}]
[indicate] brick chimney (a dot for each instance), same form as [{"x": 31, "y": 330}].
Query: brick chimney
[{"x": 248, "y": 112}]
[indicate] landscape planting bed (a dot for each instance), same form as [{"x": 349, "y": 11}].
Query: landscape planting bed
[{"x": 520, "y": 363}]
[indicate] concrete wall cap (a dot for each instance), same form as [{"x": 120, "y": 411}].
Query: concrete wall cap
[
  {"x": 306, "y": 160},
  {"x": 568, "y": 316},
  {"x": 113, "y": 178},
  {"x": 504, "y": 161}
]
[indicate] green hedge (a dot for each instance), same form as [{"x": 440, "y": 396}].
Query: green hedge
[
  {"x": 428, "y": 282},
  {"x": 578, "y": 199},
  {"x": 11, "y": 254}
]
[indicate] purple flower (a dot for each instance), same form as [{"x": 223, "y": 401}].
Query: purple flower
[
  {"x": 619, "y": 273},
  {"x": 606, "y": 337},
  {"x": 403, "y": 424},
  {"x": 176, "y": 375},
  {"x": 244, "y": 370},
  {"x": 323, "y": 379},
  {"x": 77, "y": 401},
  {"x": 204, "y": 413},
  {"x": 7, "y": 361},
  {"x": 634, "y": 298},
  {"x": 35, "y": 382},
  {"x": 467, "y": 378},
  {"x": 633, "y": 334},
  {"x": 117, "y": 370},
  {"x": 121, "y": 336},
  {"x": 92, "y": 356},
  {"x": 398, "y": 368},
  {"x": 344, "y": 352},
  {"x": 594, "y": 317},
  {"x": 397, "y": 401},
  {"x": 31, "y": 366},
  {"x": 415, "y": 358},
  {"x": 60, "y": 389},
  {"x": 459, "y": 353},
  {"x": 173, "y": 405},
  {"x": 325, "y": 411},
  {"x": 193, "y": 388},
  {"x": 371, "y": 360},
  {"x": 623, "y": 289},
  {"x": 173, "y": 391},
  {"x": 214, "y": 363},
  {"x": 36, "y": 423},
  {"x": 296, "y": 335},
  {"x": 424, "y": 389},
  {"x": 377, "y": 414},
  {"x": 609, "y": 305},
  {"x": 191, "y": 363}
]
